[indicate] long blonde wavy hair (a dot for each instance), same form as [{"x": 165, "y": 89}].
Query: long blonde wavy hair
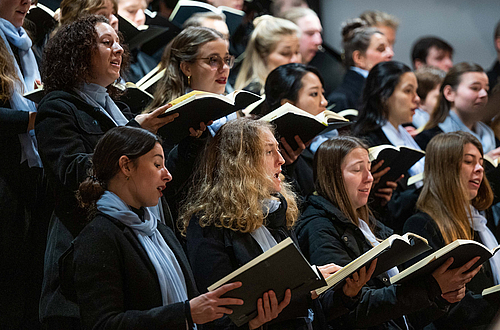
[
  {"x": 231, "y": 183},
  {"x": 444, "y": 196}
]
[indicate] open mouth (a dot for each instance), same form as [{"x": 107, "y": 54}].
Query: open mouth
[
  {"x": 476, "y": 182},
  {"x": 222, "y": 80}
]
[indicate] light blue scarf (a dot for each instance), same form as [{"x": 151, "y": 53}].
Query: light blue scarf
[
  {"x": 365, "y": 229},
  {"x": 172, "y": 282},
  {"x": 262, "y": 234},
  {"x": 483, "y": 133},
  {"x": 319, "y": 139},
  {"x": 420, "y": 118},
  {"x": 19, "y": 38},
  {"x": 401, "y": 137},
  {"x": 478, "y": 223}
]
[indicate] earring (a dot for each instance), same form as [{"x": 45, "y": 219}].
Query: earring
[
  {"x": 127, "y": 178},
  {"x": 189, "y": 80}
]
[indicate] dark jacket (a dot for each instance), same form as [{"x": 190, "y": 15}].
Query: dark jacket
[
  {"x": 348, "y": 94},
  {"x": 472, "y": 310},
  {"x": 404, "y": 198},
  {"x": 116, "y": 283},
  {"x": 67, "y": 129},
  {"x": 424, "y": 137},
  {"x": 25, "y": 208},
  {"x": 493, "y": 74},
  {"x": 326, "y": 235},
  {"x": 300, "y": 174},
  {"x": 215, "y": 252}
]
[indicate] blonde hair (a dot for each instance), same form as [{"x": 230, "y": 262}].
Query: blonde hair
[
  {"x": 377, "y": 18},
  {"x": 71, "y": 10},
  {"x": 295, "y": 13},
  {"x": 8, "y": 74},
  {"x": 268, "y": 32},
  {"x": 231, "y": 182},
  {"x": 444, "y": 196}
]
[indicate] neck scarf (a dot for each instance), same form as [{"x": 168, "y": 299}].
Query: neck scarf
[
  {"x": 19, "y": 38},
  {"x": 170, "y": 276},
  {"x": 319, "y": 139},
  {"x": 98, "y": 96},
  {"x": 400, "y": 137},
  {"x": 262, "y": 234},
  {"x": 365, "y": 229},
  {"x": 420, "y": 118},
  {"x": 478, "y": 223},
  {"x": 483, "y": 133}
]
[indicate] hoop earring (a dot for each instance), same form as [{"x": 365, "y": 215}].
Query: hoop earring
[{"x": 189, "y": 80}]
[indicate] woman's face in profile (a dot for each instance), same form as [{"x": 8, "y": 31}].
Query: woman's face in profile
[
  {"x": 378, "y": 51},
  {"x": 286, "y": 51},
  {"x": 210, "y": 69},
  {"x": 403, "y": 102},
  {"x": 107, "y": 59},
  {"x": 310, "y": 97},
  {"x": 147, "y": 178},
  {"x": 272, "y": 159},
  {"x": 471, "y": 171}
]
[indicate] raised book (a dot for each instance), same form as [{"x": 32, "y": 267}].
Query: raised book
[
  {"x": 43, "y": 20},
  {"x": 280, "y": 268},
  {"x": 391, "y": 252},
  {"x": 399, "y": 159},
  {"x": 184, "y": 9},
  {"x": 136, "y": 36},
  {"x": 291, "y": 121},
  {"x": 35, "y": 95},
  {"x": 196, "y": 107},
  {"x": 462, "y": 251},
  {"x": 136, "y": 99},
  {"x": 492, "y": 294}
]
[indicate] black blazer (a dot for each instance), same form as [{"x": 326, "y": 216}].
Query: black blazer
[
  {"x": 348, "y": 94},
  {"x": 116, "y": 283},
  {"x": 471, "y": 310}
]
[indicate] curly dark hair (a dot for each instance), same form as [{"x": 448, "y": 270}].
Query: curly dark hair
[{"x": 68, "y": 55}]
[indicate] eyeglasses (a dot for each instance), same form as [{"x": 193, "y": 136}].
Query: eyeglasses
[{"x": 216, "y": 62}]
